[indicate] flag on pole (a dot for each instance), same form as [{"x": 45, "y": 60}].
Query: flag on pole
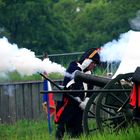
[
  {"x": 46, "y": 99},
  {"x": 51, "y": 101}
]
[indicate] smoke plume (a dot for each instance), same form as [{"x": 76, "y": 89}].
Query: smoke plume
[
  {"x": 23, "y": 61},
  {"x": 114, "y": 50},
  {"x": 135, "y": 22},
  {"x": 125, "y": 50},
  {"x": 131, "y": 58}
]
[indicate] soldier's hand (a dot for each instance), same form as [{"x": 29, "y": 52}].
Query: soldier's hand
[{"x": 83, "y": 104}]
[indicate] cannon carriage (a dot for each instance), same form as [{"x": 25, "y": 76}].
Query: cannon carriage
[{"x": 108, "y": 107}]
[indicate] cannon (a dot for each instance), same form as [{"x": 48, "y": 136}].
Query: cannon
[
  {"x": 108, "y": 107},
  {"x": 92, "y": 79}
]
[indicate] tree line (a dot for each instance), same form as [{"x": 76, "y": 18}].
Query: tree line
[{"x": 64, "y": 26}]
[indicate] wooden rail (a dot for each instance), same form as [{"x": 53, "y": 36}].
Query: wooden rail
[{"x": 21, "y": 100}]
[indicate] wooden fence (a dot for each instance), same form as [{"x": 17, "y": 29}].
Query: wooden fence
[{"x": 21, "y": 101}]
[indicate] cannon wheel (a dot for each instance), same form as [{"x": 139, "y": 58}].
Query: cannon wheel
[
  {"x": 109, "y": 114},
  {"x": 89, "y": 122},
  {"x": 100, "y": 114}
]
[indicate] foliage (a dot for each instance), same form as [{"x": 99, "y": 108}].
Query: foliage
[
  {"x": 103, "y": 21},
  {"x": 55, "y": 76},
  {"x": 16, "y": 77},
  {"x": 60, "y": 26}
]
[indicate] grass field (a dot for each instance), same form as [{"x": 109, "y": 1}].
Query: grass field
[
  {"x": 15, "y": 77},
  {"x": 38, "y": 130}
]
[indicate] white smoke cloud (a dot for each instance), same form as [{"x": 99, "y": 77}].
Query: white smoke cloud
[
  {"x": 135, "y": 22},
  {"x": 23, "y": 60},
  {"x": 53, "y": 67},
  {"x": 114, "y": 50},
  {"x": 131, "y": 58},
  {"x": 126, "y": 50}
]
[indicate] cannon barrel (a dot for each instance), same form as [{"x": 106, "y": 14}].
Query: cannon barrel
[{"x": 91, "y": 79}]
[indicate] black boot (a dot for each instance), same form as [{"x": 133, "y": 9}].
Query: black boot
[
  {"x": 59, "y": 132},
  {"x": 74, "y": 132}
]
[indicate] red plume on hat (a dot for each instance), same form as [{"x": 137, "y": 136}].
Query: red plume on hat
[{"x": 92, "y": 54}]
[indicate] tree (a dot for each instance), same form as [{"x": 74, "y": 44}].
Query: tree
[
  {"x": 64, "y": 26},
  {"x": 102, "y": 21},
  {"x": 34, "y": 25}
]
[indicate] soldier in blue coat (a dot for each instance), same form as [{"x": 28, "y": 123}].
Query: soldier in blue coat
[{"x": 68, "y": 112}]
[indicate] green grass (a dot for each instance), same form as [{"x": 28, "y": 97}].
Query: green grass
[
  {"x": 15, "y": 77},
  {"x": 55, "y": 76},
  {"x": 25, "y": 130},
  {"x": 38, "y": 130}
]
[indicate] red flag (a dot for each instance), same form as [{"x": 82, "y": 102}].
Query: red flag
[{"x": 51, "y": 101}]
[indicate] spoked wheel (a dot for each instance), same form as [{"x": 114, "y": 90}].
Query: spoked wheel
[
  {"x": 89, "y": 122},
  {"x": 112, "y": 108}
]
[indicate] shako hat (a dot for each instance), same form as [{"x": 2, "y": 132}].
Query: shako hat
[{"x": 91, "y": 54}]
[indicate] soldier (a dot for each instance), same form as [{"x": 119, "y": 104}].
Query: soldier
[{"x": 68, "y": 112}]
